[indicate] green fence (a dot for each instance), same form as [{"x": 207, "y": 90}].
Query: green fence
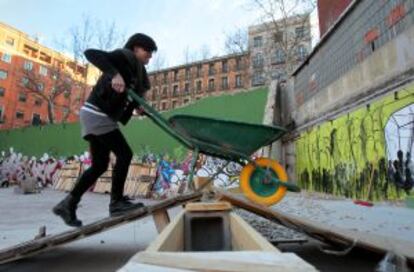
[{"x": 64, "y": 140}]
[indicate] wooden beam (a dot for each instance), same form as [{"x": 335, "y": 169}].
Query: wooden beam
[
  {"x": 226, "y": 261},
  {"x": 172, "y": 237},
  {"x": 208, "y": 206},
  {"x": 161, "y": 219},
  {"x": 329, "y": 234},
  {"x": 36, "y": 246}
]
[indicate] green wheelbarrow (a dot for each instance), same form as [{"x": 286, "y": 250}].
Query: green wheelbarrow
[{"x": 262, "y": 180}]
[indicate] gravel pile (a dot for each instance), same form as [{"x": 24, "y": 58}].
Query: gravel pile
[{"x": 272, "y": 231}]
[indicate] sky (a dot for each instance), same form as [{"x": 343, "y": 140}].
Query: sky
[{"x": 174, "y": 24}]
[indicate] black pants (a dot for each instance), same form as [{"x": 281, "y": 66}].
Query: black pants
[{"x": 100, "y": 148}]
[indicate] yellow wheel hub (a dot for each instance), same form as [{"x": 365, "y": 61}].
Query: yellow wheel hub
[{"x": 258, "y": 186}]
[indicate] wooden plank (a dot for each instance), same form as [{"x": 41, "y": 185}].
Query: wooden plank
[
  {"x": 134, "y": 266},
  {"x": 161, "y": 219},
  {"x": 36, "y": 246},
  {"x": 171, "y": 238},
  {"x": 244, "y": 237},
  {"x": 203, "y": 183},
  {"x": 208, "y": 206},
  {"x": 232, "y": 261},
  {"x": 329, "y": 234}
]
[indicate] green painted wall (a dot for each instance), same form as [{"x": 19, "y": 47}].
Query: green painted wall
[
  {"x": 347, "y": 156},
  {"x": 64, "y": 140}
]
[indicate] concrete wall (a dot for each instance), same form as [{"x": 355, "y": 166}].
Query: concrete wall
[
  {"x": 377, "y": 75},
  {"x": 370, "y": 84}
]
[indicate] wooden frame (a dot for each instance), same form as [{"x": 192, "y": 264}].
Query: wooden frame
[{"x": 251, "y": 251}]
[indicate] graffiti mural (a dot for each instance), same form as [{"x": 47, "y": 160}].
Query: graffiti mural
[{"x": 358, "y": 155}]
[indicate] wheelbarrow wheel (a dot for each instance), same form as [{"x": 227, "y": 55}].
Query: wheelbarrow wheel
[{"x": 254, "y": 186}]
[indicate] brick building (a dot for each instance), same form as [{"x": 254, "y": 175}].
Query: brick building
[
  {"x": 171, "y": 87},
  {"x": 176, "y": 86},
  {"x": 27, "y": 67},
  {"x": 329, "y": 11}
]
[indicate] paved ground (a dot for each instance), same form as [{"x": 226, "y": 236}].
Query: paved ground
[
  {"x": 385, "y": 219},
  {"x": 22, "y": 215}
]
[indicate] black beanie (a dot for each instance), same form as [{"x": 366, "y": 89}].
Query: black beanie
[{"x": 141, "y": 40}]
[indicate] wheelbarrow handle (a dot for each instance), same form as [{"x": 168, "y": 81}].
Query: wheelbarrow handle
[{"x": 158, "y": 119}]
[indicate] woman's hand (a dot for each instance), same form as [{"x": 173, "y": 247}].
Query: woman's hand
[{"x": 118, "y": 83}]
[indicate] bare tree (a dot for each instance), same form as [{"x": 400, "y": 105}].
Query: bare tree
[
  {"x": 158, "y": 62},
  {"x": 109, "y": 36},
  {"x": 60, "y": 84},
  {"x": 236, "y": 41},
  {"x": 278, "y": 16},
  {"x": 92, "y": 33},
  {"x": 81, "y": 37},
  {"x": 205, "y": 52},
  {"x": 68, "y": 79}
]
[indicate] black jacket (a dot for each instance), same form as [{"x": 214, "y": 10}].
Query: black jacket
[{"x": 116, "y": 105}]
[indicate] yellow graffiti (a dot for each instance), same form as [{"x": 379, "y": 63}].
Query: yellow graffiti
[{"x": 347, "y": 156}]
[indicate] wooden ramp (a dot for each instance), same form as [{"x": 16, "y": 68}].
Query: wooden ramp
[
  {"x": 328, "y": 234},
  {"x": 46, "y": 243},
  {"x": 186, "y": 245}
]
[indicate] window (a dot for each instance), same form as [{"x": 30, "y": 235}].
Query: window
[
  {"x": 278, "y": 37},
  {"x": 174, "y": 104},
  {"x": 186, "y": 101},
  {"x": 257, "y": 41},
  {"x": 164, "y": 79},
  {"x": 154, "y": 94},
  {"x": 187, "y": 88},
  {"x": 175, "y": 91},
  {"x": 258, "y": 60},
  {"x": 22, "y": 97},
  {"x": 224, "y": 66},
  {"x": 211, "y": 85},
  {"x": 10, "y": 41},
  {"x": 36, "y": 120},
  {"x": 279, "y": 56},
  {"x": 211, "y": 70},
  {"x": 163, "y": 106},
  {"x": 25, "y": 81},
  {"x": 6, "y": 57},
  {"x": 45, "y": 57},
  {"x": 3, "y": 74},
  {"x": 175, "y": 75},
  {"x": 43, "y": 70},
  {"x": 238, "y": 81},
  {"x": 238, "y": 64},
  {"x": 38, "y": 102},
  {"x": 199, "y": 86},
  {"x": 164, "y": 92},
  {"x": 2, "y": 91},
  {"x": 300, "y": 32},
  {"x": 54, "y": 75},
  {"x": 224, "y": 83},
  {"x": 187, "y": 74},
  {"x": 28, "y": 65},
  {"x": 199, "y": 70},
  {"x": 19, "y": 115},
  {"x": 1, "y": 114},
  {"x": 301, "y": 52},
  {"x": 258, "y": 79},
  {"x": 40, "y": 87}
]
